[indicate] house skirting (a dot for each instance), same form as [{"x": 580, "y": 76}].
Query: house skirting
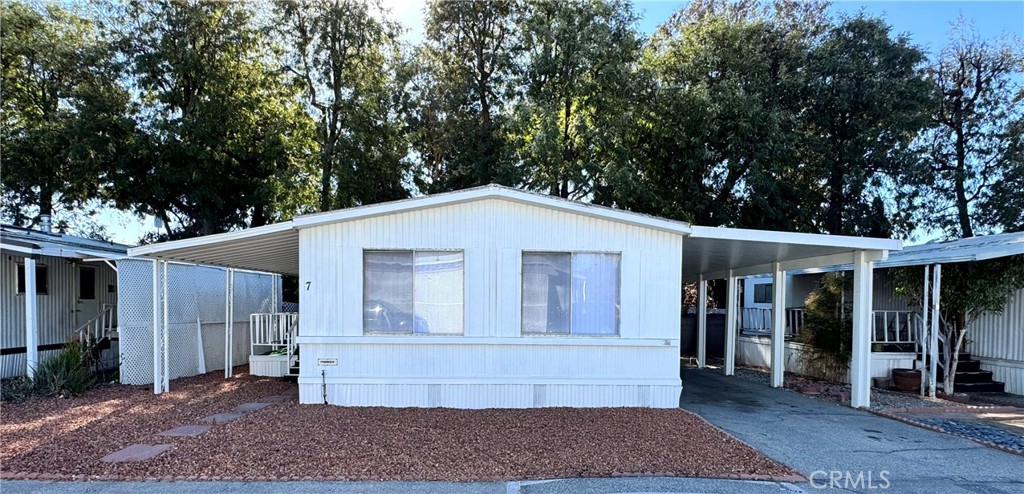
[
  {"x": 755, "y": 351},
  {"x": 491, "y": 395},
  {"x": 268, "y": 365}
]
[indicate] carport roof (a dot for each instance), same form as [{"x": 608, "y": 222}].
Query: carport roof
[{"x": 711, "y": 251}]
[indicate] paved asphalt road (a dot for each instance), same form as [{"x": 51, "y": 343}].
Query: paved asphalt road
[{"x": 822, "y": 440}]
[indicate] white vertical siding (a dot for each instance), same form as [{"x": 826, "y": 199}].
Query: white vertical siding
[
  {"x": 998, "y": 341},
  {"x": 1000, "y": 336},
  {"x": 56, "y": 308},
  {"x": 492, "y": 233}
]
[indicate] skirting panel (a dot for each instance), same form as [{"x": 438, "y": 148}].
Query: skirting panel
[
  {"x": 268, "y": 365},
  {"x": 491, "y": 395}
]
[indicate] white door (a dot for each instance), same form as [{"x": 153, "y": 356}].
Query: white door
[{"x": 88, "y": 303}]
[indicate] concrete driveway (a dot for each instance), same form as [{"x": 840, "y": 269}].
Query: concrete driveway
[{"x": 845, "y": 450}]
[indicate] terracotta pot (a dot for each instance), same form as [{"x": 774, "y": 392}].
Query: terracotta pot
[{"x": 907, "y": 379}]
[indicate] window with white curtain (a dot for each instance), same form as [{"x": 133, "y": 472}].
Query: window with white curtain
[
  {"x": 412, "y": 292},
  {"x": 571, "y": 293}
]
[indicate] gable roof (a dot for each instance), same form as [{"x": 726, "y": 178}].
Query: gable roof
[
  {"x": 492, "y": 191},
  {"x": 25, "y": 241},
  {"x": 709, "y": 251}
]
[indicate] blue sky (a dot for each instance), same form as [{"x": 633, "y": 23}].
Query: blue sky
[{"x": 926, "y": 22}]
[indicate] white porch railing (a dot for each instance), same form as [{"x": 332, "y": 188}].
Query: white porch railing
[
  {"x": 102, "y": 325},
  {"x": 758, "y": 321},
  {"x": 895, "y": 326},
  {"x": 887, "y": 326},
  {"x": 274, "y": 331}
]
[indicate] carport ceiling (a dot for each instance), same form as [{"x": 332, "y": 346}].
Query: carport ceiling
[
  {"x": 713, "y": 251},
  {"x": 272, "y": 248}
]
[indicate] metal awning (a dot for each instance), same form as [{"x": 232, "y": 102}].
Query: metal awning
[{"x": 714, "y": 251}]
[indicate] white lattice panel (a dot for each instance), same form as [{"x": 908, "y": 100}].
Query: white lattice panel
[{"x": 196, "y": 306}]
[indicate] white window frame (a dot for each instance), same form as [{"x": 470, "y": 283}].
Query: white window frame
[
  {"x": 571, "y": 334},
  {"x": 411, "y": 333}
]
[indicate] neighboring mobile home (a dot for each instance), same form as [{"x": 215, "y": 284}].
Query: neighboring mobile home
[
  {"x": 91, "y": 291},
  {"x": 995, "y": 340},
  {"x": 66, "y": 283},
  {"x": 495, "y": 297}
]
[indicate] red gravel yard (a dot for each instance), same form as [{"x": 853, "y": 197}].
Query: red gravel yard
[{"x": 287, "y": 440}]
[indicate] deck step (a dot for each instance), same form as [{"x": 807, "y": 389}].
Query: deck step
[{"x": 986, "y": 387}]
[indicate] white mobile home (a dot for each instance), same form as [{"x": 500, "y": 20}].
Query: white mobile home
[
  {"x": 494, "y": 297},
  {"x": 55, "y": 287}
]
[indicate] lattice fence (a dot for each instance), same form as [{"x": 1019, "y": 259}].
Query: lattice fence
[{"x": 196, "y": 309}]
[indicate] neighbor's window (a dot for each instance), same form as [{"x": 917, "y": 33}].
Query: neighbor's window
[
  {"x": 412, "y": 292},
  {"x": 763, "y": 293},
  {"x": 41, "y": 284},
  {"x": 570, "y": 293}
]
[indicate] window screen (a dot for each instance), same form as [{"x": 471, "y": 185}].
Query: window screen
[
  {"x": 42, "y": 286},
  {"x": 763, "y": 293},
  {"x": 567, "y": 293},
  {"x": 406, "y": 292},
  {"x": 87, "y": 283}
]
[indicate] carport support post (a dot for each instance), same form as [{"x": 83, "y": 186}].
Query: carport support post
[
  {"x": 702, "y": 322},
  {"x": 860, "y": 363},
  {"x": 158, "y": 381},
  {"x": 933, "y": 366},
  {"x": 31, "y": 320},
  {"x": 730, "y": 325},
  {"x": 778, "y": 325},
  {"x": 167, "y": 334},
  {"x": 229, "y": 327}
]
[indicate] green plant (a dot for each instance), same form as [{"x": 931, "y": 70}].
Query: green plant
[
  {"x": 67, "y": 373},
  {"x": 828, "y": 329},
  {"x": 17, "y": 389}
]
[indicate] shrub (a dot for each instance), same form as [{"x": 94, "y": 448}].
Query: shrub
[
  {"x": 67, "y": 373},
  {"x": 17, "y": 389},
  {"x": 828, "y": 329}
]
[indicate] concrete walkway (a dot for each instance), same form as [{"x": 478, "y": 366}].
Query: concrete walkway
[{"x": 826, "y": 441}]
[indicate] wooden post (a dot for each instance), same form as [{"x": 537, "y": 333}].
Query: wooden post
[{"x": 778, "y": 362}]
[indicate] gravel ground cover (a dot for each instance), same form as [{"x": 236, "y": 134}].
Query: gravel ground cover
[
  {"x": 980, "y": 431},
  {"x": 291, "y": 441}
]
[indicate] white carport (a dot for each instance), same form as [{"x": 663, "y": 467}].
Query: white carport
[
  {"x": 707, "y": 254},
  {"x": 733, "y": 253}
]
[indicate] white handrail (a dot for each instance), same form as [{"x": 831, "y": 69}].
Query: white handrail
[{"x": 100, "y": 326}]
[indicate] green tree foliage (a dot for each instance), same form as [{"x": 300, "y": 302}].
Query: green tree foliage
[
  {"x": 62, "y": 110},
  {"x": 222, "y": 136},
  {"x": 719, "y": 134},
  {"x": 578, "y": 77},
  {"x": 343, "y": 54},
  {"x": 461, "y": 92},
  {"x": 828, "y": 328},
  {"x": 974, "y": 178},
  {"x": 867, "y": 101}
]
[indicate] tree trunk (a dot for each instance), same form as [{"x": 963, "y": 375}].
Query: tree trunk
[
  {"x": 836, "y": 201},
  {"x": 963, "y": 214}
]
